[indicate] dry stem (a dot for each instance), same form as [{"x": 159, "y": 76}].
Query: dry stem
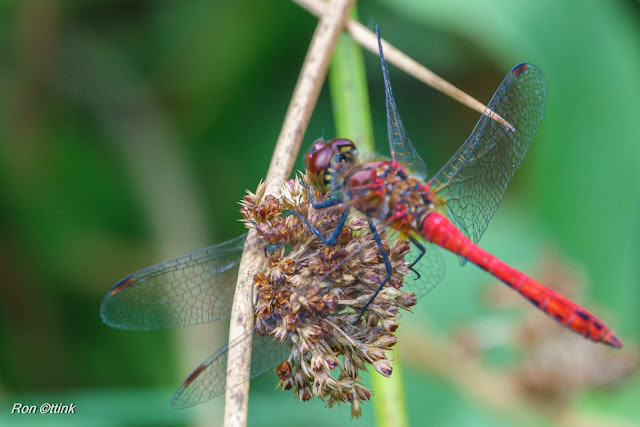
[{"x": 304, "y": 98}]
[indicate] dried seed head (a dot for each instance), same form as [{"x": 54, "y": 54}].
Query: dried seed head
[
  {"x": 356, "y": 411},
  {"x": 383, "y": 367},
  {"x": 310, "y": 293},
  {"x": 284, "y": 374},
  {"x": 304, "y": 393}
]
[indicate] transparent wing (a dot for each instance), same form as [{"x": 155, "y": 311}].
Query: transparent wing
[
  {"x": 193, "y": 289},
  {"x": 474, "y": 181},
  {"x": 209, "y": 379},
  {"x": 402, "y": 150}
]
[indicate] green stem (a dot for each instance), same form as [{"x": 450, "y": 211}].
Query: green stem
[
  {"x": 349, "y": 93},
  {"x": 352, "y": 117}
]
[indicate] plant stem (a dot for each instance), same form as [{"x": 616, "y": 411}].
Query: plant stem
[
  {"x": 352, "y": 117},
  {"x": 349, "y": 97}
]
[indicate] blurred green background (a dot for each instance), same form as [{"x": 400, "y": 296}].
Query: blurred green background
[{"x": 129, "y": 130}]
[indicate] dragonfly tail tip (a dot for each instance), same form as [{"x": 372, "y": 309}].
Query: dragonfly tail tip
[{"x": 612, "y": 340}]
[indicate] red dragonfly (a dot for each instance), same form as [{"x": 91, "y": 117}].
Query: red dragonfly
[
  {"x": 450, "y": 210},
  {"x": 453, "y": 208}
]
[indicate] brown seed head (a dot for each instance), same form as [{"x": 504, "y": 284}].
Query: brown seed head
[{"x": 310, "y": 293}]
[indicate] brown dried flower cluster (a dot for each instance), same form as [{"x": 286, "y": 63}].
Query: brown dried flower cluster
[{"x": 310, "y": 294}]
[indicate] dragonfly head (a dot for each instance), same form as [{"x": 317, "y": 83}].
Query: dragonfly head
[{"x": 323, "y": 159}]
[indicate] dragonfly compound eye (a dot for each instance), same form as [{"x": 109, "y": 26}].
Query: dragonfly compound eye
[
  {"x": 317, "y": 162},
  {"x": 318, "y": 159},
  {"x": 321, "y": 157}
]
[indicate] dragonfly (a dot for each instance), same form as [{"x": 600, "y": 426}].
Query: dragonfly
[{"x": 451, "y": 210}]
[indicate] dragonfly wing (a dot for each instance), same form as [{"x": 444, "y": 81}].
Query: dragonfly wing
[
  {"x": 402, "y": 150},
  {"x": 209, "y": 379},
  {"x": 193, "y": 289},
  {"x": 430, "y": 268},
  {"x": 474, "y": 181}
]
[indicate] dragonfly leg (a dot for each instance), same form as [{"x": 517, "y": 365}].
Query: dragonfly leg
[
  {"x": 422, "y": 250},
  {"x": 331, "y": 241},
  {"x": 387, "y": 266},
  {"x": 331, "y": 201},
  {"x": 270, "y": 248}
]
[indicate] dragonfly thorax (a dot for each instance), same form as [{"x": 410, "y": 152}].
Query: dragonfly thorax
[{"x": 387, "y": 192}]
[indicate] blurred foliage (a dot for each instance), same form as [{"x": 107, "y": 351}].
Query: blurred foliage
[{"x": 128, "y": 131}]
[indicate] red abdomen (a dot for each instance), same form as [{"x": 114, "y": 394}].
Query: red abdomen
[{"x": 439, "y": 230}]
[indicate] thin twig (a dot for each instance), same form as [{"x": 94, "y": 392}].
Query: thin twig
[
  {"x": 303, "y": 101},
  {"x": 368, "y": 40}
]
